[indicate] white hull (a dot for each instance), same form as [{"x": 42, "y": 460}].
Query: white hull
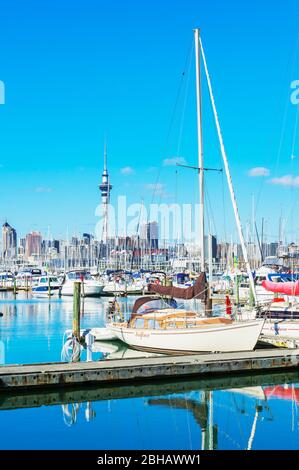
[
  {"x": 87, "y": 291},
  {"x": 103, "y": 334},
  {"x": 262, "y": 294},
  {"x": 240, "y": 336},
  {"x": 284, "y": 328},
  {"x": 43, "y": 295},
  {"x": 122, "y": 289}
]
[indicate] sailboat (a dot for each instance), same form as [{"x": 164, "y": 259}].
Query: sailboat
[{"x": 171, "y": 330}]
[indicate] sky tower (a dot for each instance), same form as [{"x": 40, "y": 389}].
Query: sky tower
[{"x": 105, "y": 188}]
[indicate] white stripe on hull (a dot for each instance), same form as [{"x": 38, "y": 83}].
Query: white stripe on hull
[{"x": 89, "y": 291}]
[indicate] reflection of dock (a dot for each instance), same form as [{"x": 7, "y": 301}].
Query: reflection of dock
[{"x": 62, "y": 396}]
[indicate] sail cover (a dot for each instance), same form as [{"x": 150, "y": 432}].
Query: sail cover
[
  {"x": 197, "y": 291},
  {"x": 287, "y": 288},
  {"x": 149, "y": 304}
]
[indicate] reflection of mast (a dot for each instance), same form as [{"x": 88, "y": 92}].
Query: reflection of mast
[
  {"x": 211, "y": 427},
  {"x": 89, "y": 412},
  {"x": 202, "y": 413},
  {"x": 199, "y": 410},
  {"x": 258, "y": 409}
]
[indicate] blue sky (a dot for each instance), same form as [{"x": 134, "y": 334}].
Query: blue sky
[{"x": 75, "y": 72}]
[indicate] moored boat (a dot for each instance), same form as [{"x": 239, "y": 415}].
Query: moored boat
[
  {"x": 46, "y": 286},
  {"x": 173, "y": 331},
  {"x": 90, "y": 286}
]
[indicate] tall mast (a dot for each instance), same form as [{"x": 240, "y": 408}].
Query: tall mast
[
  {"x": 200, "y": 150},
  {"x": 229, "y": 179}
]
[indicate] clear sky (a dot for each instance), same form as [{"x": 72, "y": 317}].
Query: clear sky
[{"x": 77, "y": 71}]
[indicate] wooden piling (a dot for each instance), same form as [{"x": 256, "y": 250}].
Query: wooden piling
[
  {"x": 237, "y": 295},
  {"x": 208, "y": 301},
  {"x": 76, "y": 309}
]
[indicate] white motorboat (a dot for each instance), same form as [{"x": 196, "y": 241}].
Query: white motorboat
[
  {"x": 46, "y": 286},
  {"x": 28, "y": 277},
  {"x": 6, "y": 279},
  {"x": 90, "y": 287},
  {"x": 123, "y": 285}
]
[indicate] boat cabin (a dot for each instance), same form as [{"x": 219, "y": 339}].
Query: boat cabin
[{"x": 173, "y": 319}]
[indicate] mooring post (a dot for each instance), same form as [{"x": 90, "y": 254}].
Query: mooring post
[
  {"x": 251, "y": 298},
  {"x": 76, "y": 310},
  {"x": 49, "y": 286},
  {"x": 15, "y": 287},
  {"x": 237, "y": 296},
  {"x": 208, "y": 304},
  {"x": 82, "y": 286}
]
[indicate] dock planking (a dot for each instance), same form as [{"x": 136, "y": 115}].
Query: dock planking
[{"x": 35, "y": 376}]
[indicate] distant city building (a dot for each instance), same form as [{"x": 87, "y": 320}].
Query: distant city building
[
  {"x": 75, "y": 241},
  {"x": 86, "y": 238},
  {"x": 273, "y": 249},
  {"x": 213, "y": 240},
  {"x": 9, "y": 242},
  {"x": 56, "y": 245},
  {"x": 149, "y": 234},
  {"x": 33, "y": 244}
]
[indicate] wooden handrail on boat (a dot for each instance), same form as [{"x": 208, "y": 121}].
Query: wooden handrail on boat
[{"x": 180, "y": 320}]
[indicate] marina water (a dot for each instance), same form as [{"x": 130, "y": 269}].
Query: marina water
[{"x": 245, "y": 412}]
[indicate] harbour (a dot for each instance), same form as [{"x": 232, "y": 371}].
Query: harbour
[
  {"x": 184, "y": 400},
  {"x": 149, "y": 252}
]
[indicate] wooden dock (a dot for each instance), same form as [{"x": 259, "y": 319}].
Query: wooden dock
[{"x": 36, "y": 376}]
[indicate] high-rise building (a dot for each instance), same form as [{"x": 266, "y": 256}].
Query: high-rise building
[
  {"x": 56, "y": 245},
  {"x": 86, "y": 238},
  {"x": 210, "y": 239},
  {"x": 33, "y": 244},
  {"x": 149, "y": 235},
  {"x": 105, "y": 188},
  {"x": 9, "y": 242}
]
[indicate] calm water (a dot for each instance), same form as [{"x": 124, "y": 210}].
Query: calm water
[{"x": 258, "y": 412}]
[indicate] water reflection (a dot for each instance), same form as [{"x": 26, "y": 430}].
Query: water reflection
[
  {"x": 244, "y": 412},
  {"x": 31, "y": 330},
  {"x": 214, "y": 413}
]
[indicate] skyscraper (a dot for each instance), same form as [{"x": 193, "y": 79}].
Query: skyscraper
[
  {"x": 149, "y": 235},
  {"x": 33, "y": 244},
  {"x": 105, "y": 188},
  {"x": 9, "y": 242}
]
